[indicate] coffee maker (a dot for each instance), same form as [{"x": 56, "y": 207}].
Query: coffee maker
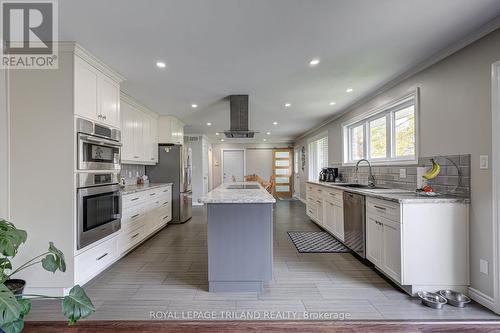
[{"x": 328, "y": 174}]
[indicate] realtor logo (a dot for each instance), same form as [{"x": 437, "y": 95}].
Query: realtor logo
[{"x": 29, "y": 34}]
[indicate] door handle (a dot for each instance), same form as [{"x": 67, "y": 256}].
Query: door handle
[{"x": 379, "y": 207}]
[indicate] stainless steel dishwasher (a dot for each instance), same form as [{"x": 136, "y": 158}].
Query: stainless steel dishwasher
[{"x": 354, "y": 223}]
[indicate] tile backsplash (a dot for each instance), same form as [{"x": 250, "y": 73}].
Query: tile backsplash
[
  {"x": 445, "y": 182},
  {"x": 131, "y": 171}
]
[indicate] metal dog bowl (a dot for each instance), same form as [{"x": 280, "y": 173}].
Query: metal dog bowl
[
  {"x": 455, "y": 298},
  {"x": 432, "y": 300}
]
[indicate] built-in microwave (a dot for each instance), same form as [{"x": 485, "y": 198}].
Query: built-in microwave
[
  {"x": 99, "y": 147},
  {"x": 99, "y": 207}
]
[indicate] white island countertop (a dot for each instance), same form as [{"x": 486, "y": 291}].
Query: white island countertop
[{"x": 223, "y": 194}]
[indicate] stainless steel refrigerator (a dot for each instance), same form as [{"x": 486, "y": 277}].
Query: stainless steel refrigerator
[{"x": 174, "y": 166}]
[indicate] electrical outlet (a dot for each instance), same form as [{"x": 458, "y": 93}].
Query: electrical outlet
[
  {"x": 483, "y": 162},
  {"x": 402, "y": 173},
  {"x": 483, "y": 266}
]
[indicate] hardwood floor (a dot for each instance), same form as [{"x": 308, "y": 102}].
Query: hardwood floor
[
  {"x": 166, "y": 279},
  {"x": 268, "y": 327}
]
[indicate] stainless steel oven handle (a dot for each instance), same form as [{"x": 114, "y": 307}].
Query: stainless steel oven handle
[{"x": 100, "y": 141}]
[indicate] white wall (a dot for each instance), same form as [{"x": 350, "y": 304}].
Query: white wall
[
  {"x": 3, "y": 145},
  {"x": 42, "y": 163},
  {"x": 455, "y": 118},
  {"x": 251, "y": 166},
  {"x": 200, "y": 166}
]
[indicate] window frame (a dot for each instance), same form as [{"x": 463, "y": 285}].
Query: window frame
[
  {"x": 323, "y": 135},
  {"x": 388, "y": 110}
]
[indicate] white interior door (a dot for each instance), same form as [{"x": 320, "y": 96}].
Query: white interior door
[{"x": 233, "y": 165}]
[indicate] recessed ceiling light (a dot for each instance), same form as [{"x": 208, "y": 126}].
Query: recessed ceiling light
[
  {"x": 314, "y": 62},
  {"x": 349, "y": 90},
  {"x": 268, "y": 133},
  {"x": 209, "y": 124},
  {"x": 275, "y": 123},
  {"x": 216, "y": 133},
  {"x": 332, "y": 103},
  {"x": 194, "y": 106},
  {"x": 264, "y": 140},
  {"x": 222, "y": 140},
  {"x": 287, "y": 105},
  {"x": 161, "y": 64}
]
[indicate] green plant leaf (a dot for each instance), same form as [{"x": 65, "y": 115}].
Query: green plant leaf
[
  {"x": 4, "y": 265},
  {"x": 10, "y": 238},
  {"x": 15, "y": 326},
  {"x": 54, "y": 260},
  {"x": 77, "y": 305},
  {"x": 25, "y": 305},
  {"x": 49, "y": 263},
  {"x": 10, "y": 309}
]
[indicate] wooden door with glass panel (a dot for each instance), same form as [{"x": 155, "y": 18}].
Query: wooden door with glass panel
[{"x": 282, "y": 172}]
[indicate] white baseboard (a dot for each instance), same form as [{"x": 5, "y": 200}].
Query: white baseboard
[
  {"x": 482, "y": 298},
  {"x": 197, "y": 204}
]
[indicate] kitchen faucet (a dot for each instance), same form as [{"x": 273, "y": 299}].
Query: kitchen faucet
[{"x": 371, "y": 179}]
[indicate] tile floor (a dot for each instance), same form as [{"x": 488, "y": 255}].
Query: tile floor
[{"x": 169, "y": 273}]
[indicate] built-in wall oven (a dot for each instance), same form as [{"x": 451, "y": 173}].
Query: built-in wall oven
[
  {"x": 99, "y": 147},
  {"x": 99, "y": 206}
]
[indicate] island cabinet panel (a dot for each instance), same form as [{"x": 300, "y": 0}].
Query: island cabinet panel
[{"x": 240, "y": 246}]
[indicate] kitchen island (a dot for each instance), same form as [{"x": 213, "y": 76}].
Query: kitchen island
[{"x": 240, "y": 237}]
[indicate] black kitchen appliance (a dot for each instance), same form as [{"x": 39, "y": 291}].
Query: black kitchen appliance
[{"x": 328, "y": 174}]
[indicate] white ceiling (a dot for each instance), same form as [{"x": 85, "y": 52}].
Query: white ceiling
[{"x": 214, "y": 48}]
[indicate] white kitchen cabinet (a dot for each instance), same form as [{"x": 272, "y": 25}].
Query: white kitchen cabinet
[
  {"x": 325, "y": 207},
  {"x": 144, "y": 213},
  {"x": 391, "y": 249},
  {"x": 170, "y": 130},
  {"x": 109, "y": 101},
  {"x": 96, "y": 95},
  {"x": 374, "y": 241},
  {"x": 419, "y": 245},
  {"x": 139, "y": 133},
  {"x": 93, "y": 261},
  {"x": 86, "y": 78}
]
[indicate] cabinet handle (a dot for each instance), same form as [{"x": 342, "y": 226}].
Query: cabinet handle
[
  {"x": 136, "y": 156},
  {"x": 165, "y": 190},
  {"x": 133, "y": 217},
  {"x": 166, "y": 202},
  {"x": 105, "y": 254},
  {"x": 318, "y": 201},
  {"x": 134, "y": 199},
  {"x": 134, "y": 236},
  {"x": 378, "y": 207},
  {"x": 151, "y": 194},
  {"x": 165, "y": 217}
]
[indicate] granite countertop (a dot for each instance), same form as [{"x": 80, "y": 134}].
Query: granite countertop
[
  {"x": 401, "y": 197},
  {"x": 222, "y": 194},
  {"x": 128, "y": 189}
]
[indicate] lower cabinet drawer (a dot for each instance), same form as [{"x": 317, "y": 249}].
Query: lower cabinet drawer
[
  {"x": 89, "y": 263},
  {"x": 130, "y": 238},
  {"x": 383, "y": 208}
]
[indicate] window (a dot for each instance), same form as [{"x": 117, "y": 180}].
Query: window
[
  {"x": 385, "y": 135},
  {"x": 318, "y": 155}
]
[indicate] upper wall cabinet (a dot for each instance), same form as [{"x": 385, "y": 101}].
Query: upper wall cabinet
[
  {"x": 139, "y": 133},
  {"x": 97, "y": 93},
  {"x": 170, "y": 130}
]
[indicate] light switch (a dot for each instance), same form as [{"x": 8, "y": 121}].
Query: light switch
[
  {"x": 483, "y": 162},
  {"x": 402, "y": 173},
  {"x": 483, "y": 266}
]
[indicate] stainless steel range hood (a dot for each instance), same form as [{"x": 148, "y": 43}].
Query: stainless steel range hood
[{"x": 238, "y": 107}]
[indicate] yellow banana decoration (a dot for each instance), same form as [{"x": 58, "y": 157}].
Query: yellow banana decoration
[{"x": 431, "y": 174}]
